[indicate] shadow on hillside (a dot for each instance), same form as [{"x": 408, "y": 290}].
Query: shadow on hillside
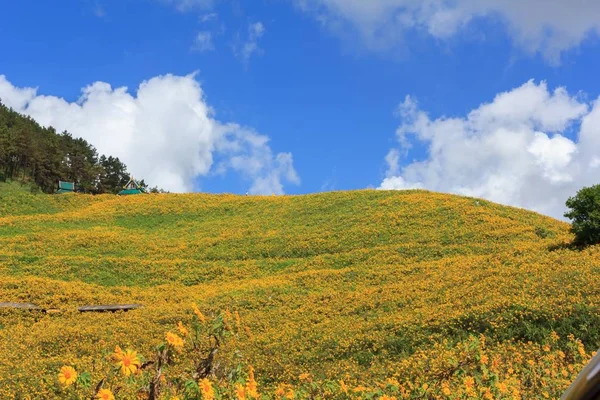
[
  {"x": 513, "y": 323},
  {"x": 567, "y": 246}
]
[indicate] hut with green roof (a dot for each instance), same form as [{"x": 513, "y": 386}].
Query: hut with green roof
[
  {"x": 65, "y": 187},
  {"x": 132, "y": 187}
]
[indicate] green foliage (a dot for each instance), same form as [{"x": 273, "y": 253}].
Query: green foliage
[
  {"x": 17, "y": 199},
  {"x": 543, "y": 232},
  {"x": 42, "y": 157},
  {"x": 84, "y": 379},
  {"x": 585, "y": 214}
]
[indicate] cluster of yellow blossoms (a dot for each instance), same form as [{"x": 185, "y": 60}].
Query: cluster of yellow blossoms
[{"x": 466, "y": 370}]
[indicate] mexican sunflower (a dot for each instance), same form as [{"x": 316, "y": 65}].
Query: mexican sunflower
[
  {"x": 127, "y": 361},
  {"x": 240, "y": 392},
  {"x": 208, "y": 393},
  {"x": 174, "y": 340},
  {"x": 105, "y": 394},
  {"x": 67, "y": 375},
  {"x": 251, "y": 386}
]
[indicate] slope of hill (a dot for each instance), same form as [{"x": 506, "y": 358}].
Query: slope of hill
[{"x": 361, "y": 286}]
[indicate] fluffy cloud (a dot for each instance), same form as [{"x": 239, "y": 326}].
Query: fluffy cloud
[
  {"x": 165, "y": 133},
  {"x": 545, "y": 26},
  {"x": 514, "y": 150}
]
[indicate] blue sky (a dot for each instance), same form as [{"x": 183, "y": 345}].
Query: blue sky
[{"x": 323, "y": 80}]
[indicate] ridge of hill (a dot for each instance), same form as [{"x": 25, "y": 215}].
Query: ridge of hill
[{"x": 342, "y": 284}]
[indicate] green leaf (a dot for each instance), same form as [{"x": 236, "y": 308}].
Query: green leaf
[{"x": 84, "y": 379}]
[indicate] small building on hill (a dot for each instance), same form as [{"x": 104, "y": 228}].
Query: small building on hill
[
  {"x": 65, "y": 187},
  {"x": 132, "y": 187}
]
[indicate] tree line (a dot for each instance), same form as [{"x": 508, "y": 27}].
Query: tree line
[{"x": 32, "y": 153}]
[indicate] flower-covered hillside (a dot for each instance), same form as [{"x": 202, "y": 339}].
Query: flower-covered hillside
[{"x": 360, "y": 287}]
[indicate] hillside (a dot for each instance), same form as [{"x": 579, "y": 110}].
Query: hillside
[{"x": 361, "y": 285}]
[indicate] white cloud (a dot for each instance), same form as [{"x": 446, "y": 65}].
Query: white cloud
[
  {"x": 14, "y": 97},
  {"x": 165, "y": 133},
  {"x": 248, "y": 153},
  {"x": 545, "y": 26},
  {"x": 392, "y": 160},
  {"x": 250, "y": 46},
  {"x": 513, "y": 150},
  {"x": 203, "y": 42}
]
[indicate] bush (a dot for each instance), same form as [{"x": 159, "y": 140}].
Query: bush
[
  {"x": 585, "y": 214},
  {"x": 543, "y": 232}
]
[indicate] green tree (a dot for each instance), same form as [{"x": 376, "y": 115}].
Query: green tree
[
  {"x": 41, "y": 156},
  {"x": 585, "y": 215},
  {"x": 113, "y": 176}
]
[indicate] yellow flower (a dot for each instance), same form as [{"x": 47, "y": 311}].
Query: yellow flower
[
  {"x": 175, "y": 341},
  {"x": 516, "y": 393},
  {"x": 240, "y": 392},
  {"x": 290, "y": 394},
  {"x": 251, "y": 386},
  {"x": 304, "y": 376},
  {"x": 469, "y": 382},
  {"x": 182, "y": 329},
  {"x": 469, "y": 385},
  {"x": 344, "y": 387},
  {"x": 248, "y": 332},
  {"x": 117, "y": 352},
  {"x": 502, "y": 387},
  {"x": 128, "y": 362},
  {"x": 208, "y": 393},
  {"x": 446, "y": 389},
  {"x": 105, "y": 394},
  {"x": 581, "y": 349},
  {"x": 546, "y": 348},
  {"x": 198, "y": 313},
  {"x": 280, "y": 390},
  {"x": 386, "y": 397},
  {"x": 484, "y": 359},
  {"x": 67, "y": 375}
]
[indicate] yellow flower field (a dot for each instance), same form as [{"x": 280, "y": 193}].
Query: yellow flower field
[{"x": 362, "y": 294}]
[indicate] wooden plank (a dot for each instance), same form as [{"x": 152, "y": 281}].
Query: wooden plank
[
  {"x": 109, "y": 307},
  {"x": 23, "y": 306}
]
